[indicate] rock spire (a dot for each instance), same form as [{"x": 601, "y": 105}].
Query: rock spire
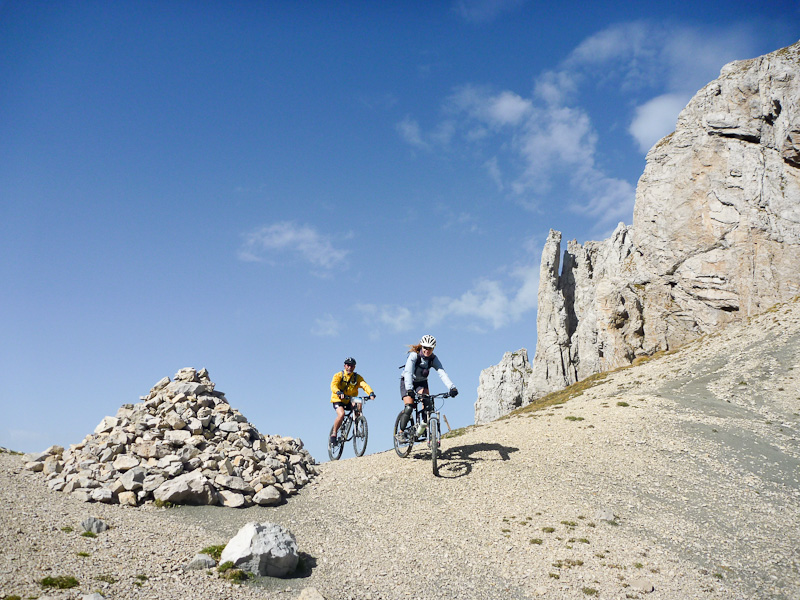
[{"x": 715, "y": 237}]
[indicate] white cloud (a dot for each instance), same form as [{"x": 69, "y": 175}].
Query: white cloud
[
  {"x": 410, "y": 131},
  {"x": 656, "y": 118},
  {"x": 288, "y": 237},
  {"x": 607, "y": 200},
  {"x": 327, "y": 326},
  {"x": 508, "y": 108},
  {"x": 490, "y": 303},
  {"x": 532, "y": 144},
  {"x": 393, "y": 317}
]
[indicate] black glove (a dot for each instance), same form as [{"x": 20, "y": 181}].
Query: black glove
[
  {"x": 341, "y": 395},
  {"x": 453, "y": 392},
  {"x": 372, "y": 396},
  {"x": 411, "y": 394}
]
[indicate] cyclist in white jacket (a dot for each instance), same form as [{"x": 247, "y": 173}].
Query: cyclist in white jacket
[{"x": 421, "y": 360}]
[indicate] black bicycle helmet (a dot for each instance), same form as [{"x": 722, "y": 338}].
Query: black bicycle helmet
[{"x": 350, "y": 361}]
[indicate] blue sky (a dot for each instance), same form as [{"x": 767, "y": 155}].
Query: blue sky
[{"x": 264, "y": 188}]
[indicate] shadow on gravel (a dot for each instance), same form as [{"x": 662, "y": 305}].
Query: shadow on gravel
[
  {"x": 305, "y": 566},
  {"x": 459, "y": 461}
]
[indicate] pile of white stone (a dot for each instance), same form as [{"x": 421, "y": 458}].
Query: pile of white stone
[{"x": 183, "y": 444}]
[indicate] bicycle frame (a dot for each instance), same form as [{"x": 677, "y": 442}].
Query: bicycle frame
[
  {"x": 351, "y": 416},
  {"x": 432, "y": 427}
]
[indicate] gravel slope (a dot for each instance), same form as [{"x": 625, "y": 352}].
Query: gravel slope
[{"x": 697, "y": 454}]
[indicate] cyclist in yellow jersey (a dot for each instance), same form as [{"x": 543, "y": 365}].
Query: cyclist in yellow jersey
[{"x": 346, "y": 383}]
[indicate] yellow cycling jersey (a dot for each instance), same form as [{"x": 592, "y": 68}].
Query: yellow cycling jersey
[{"x": 348, "y": 385}]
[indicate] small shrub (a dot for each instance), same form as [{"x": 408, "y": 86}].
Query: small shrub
[
  {"x": 89, "y": 534},
  {"x": 162, "y": 503},
  {"x": 621, "y": 403},
  {"x": 506, "y": 530},
  {"x": 548, "y": 529},
  {"x": 214, "y": 552},
  {"x": 638, "y": 565},
  {"x": 106, "y": 579},
  {"x": 228, "y": 571},
  {"x": 225, "y": 566},
  {"x": 84, "y": 554},
  {"x": 537, "y": 541},
  {"x": 571, "y": 418},
  {"x": 583, "y": 540},
  {"x": 555, "y": 575},
  {"x": 569, "y": 523},
  {"x": 67, "y": 529},
  {"x": 590, "y": 591},
  {"x": 62, "y": 582}
]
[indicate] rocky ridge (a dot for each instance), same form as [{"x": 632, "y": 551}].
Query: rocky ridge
[
  {"x": 183, "y": 443},
  {"x": 715, "y": 239}
]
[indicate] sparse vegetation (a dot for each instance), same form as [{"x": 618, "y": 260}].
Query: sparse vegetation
[
  {"x": 572, "y": 418},
  {"x": 590, "y": 591},
  {"x": 214, "y": 552},
  {"x": 106, "y": 579},
  {"x": 84, "y": 554},
  {"x": 228, "y": 571},
  {"x": 162, "y": 503},
  {"x": 621, "y": 403},
  {"x": 62, "y": 582},
  {"x": 67, "y": 529},
  {"x": 89, "y": 534},
  {"x": 638, "y": 565},
  {"x": 537, "y": 541},
  {"x": 560, "y": 397},
  {"x": 548, "y": 529}
]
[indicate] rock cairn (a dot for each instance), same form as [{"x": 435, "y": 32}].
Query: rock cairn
[{"x": 182, "y": 443}]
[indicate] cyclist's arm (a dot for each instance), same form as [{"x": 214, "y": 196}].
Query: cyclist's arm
[
  {"x": 364, "y": 385},
  {"x": 335, "y": 382},
  {"x": 408, "y": 374},
  {"x": 437, "y": 365}
]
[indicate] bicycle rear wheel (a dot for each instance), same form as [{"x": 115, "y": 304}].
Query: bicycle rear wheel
[
  {"x": 360, "y": 432},
  {"x": 433, "y": 440},
  {"x": 403, "y": 448},
  {"x": 335, "y": 448}
]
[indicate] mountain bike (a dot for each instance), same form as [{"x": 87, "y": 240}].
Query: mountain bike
[
  {"x": 423, "y": 425},
  {"x": 357, "y": 425}
]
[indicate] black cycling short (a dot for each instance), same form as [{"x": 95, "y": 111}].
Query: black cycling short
[
  {"x": 417, "y": 385},
  {"x": 344, "y": 405}
]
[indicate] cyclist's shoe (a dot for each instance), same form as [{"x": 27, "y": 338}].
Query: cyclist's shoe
[
  {"x": 333, "y": 441},
  {"x": 402, "y": 437}
]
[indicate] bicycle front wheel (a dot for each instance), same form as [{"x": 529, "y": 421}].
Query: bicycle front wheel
[
  {"x": 403, "y": 446},
  {"x": 360, "y": 432},
  {"x": 433, "y": 440},
  {"x": 335, "y": 448}
]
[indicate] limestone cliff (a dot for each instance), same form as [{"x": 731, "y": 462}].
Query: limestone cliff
[{"x": 715, "y": 238}]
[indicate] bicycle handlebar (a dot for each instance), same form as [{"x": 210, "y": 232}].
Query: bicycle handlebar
[
  {"x": 364, "y": 398},
  {"x": 434, "y": 396}
]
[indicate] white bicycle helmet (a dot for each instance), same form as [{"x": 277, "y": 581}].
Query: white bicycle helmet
[{"x": 428, "y": 341}]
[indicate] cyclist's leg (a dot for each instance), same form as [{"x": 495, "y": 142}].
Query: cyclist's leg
[
  {"x": 408, "y": 409},
  {"x": 339, "y": 417}
]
